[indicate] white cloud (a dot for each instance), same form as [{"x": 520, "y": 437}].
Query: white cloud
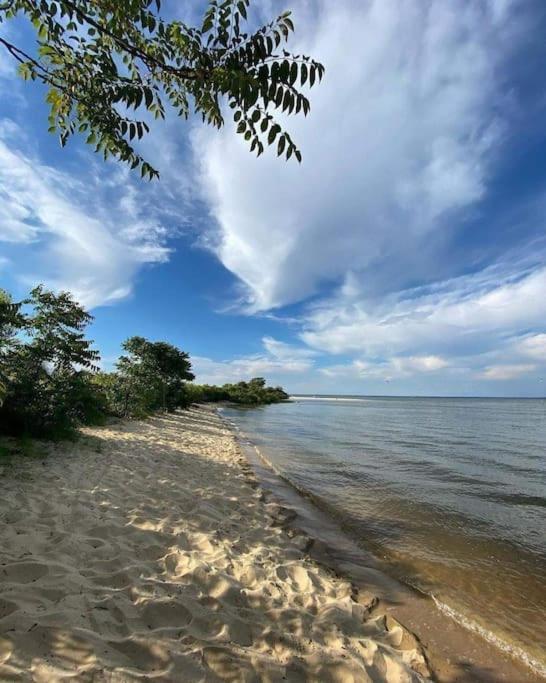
[
  {"x": 505, "y": 372},
  {"x": 533, "y": 346},
  {"x": 420, "y": 363},
  {"x": 471, "y": 313},
  {"x": 282, "y": 351},
  {"x": 393, "y": 368},
  {"x": 89, "y": 233},
  {"x": 278, "y": 361},
  {"x": 400, "y": 136}
]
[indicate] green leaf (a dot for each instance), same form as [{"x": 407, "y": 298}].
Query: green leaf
[
  {"x": 242, "y": 9},
  {"x": 293, "y": 73},
  {"x": 287, "y": 100},
  {"x": 273, "y": 132}
]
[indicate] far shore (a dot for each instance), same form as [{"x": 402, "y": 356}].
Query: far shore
[{"x": 151, "y": 550}]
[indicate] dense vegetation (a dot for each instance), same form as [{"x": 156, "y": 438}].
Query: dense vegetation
[
  {"x": 110, "y": 67},
  {"x": 254, "y": 393},
  {"x": 50, "y": 382}
]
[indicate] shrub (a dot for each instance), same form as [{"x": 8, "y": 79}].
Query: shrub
[
  {"x": 45, "y": 369},
  {"x": 250, "y": 393}
]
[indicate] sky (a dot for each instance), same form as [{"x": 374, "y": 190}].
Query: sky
[{"x": 406, "y": 255}]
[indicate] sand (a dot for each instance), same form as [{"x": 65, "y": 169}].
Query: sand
[{"x": 148, "y": 551}]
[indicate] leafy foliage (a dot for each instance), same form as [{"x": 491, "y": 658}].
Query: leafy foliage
[
  {"x": 151, "y": 376},
  {"x": 106, "y": 62},
  {"x": 10, "y": 321},
  {"x": 45, "y": 369},
  {"x": 250, "y": 393}
]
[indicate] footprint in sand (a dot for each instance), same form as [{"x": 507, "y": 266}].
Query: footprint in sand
[
  {"x": 140, "y": 656},
  {"x": 23, "y": 572},
  {"x": 7, "y": 608},
  {"x": 115, "y": 580},
  {"x": 165, "y": 614}
]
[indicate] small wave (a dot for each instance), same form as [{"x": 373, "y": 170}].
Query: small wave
[
  {"x": 512, "y": 650},
  {"x": 518, "y": 499}
]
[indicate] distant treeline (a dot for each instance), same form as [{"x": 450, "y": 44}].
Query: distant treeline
[
  {"x": 50, "y": 381},
  {"x": 251, "y": 393}
]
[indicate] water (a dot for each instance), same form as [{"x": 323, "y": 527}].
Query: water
[{"x": 449, "y": 493}]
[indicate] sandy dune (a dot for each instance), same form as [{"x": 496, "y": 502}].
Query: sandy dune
[{"x": 147, "y": 551}]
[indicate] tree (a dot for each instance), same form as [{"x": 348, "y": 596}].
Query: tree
[
  {"x": 257, "y": 382},
  {"x": 47, "y": 388},
  {"x": 11, "y": 321},
  {"x": 153, "y": 376},
  {"x": 104, "y": 60}
]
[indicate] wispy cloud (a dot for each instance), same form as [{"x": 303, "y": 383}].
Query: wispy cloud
[
  {"x": 472, "y": 313},
  {"x": 393, "y": 368},
  {"x": 88, "y": 233},
  {"x": 533, "y": 346},
  {"x": 506, "y": 372},
  {"x": 278, "y": 360}
]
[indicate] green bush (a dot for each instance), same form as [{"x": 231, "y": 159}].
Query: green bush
[
  {"x": 151, "y": 376},
  {"x": 250, "y": 393},
  {"x": 45, "y": 362}
]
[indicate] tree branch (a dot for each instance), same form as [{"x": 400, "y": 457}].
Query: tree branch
[
  {"x": 185, "y": 73},
  {"x": 22, "y": 57}
]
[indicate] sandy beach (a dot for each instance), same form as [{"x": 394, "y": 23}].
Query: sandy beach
[{"x": 148, "y": 551}]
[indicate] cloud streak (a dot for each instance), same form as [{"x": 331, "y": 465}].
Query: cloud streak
[{"x": 86, "y": 233}]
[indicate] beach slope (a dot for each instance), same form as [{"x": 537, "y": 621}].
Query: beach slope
[{"x": 148, "y": 551}]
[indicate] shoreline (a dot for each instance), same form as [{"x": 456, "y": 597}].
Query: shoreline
[
  {"x": 485, "y": 657},
  {"x": 150, "y": 550}
]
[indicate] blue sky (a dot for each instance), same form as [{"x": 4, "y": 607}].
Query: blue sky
[{"x": 406, "y": 255}]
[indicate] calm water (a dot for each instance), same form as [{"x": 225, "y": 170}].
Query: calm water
[{"x": 451, "y": 493}]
